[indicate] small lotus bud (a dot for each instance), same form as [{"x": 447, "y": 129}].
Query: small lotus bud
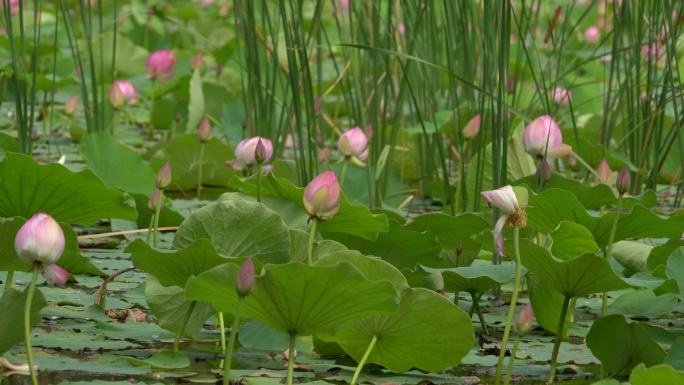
[
  {"x": 164, "y": 176},
  {"x": 561, "y": 96},
  {"x": 204, "y": 130},
  {"x": 260, "y": 153},
  {"x": 55, "y": 274},
  {"x": 603, "y": 171},
  {"x": 245, "y": 278},
  {"x": 122, "y": 92},
  {"x": 623, "y": 181},
  {"x": 434, "y": 281},
  {"x": 322, "y": 196},
  {"x": 523, "y": 323},
  {"x": 116, "y": 97},
  {"x": 353, "y": 142},
  {"x": 592, "y": 34},
  {"x": 472, "y": 128},
  {"x": 159, "y": 64},
  {"x": 197, "y": 61},
  {"x": 324, "y": 155},
  {"x": 71, "y": 105},
  {"x": 543, "y": 137},
  {"x": 40, "y": 239},
  {"x": 245, "y": 152},
  {"x": 154, "y": 200}
]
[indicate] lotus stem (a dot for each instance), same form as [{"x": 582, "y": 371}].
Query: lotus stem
[
  {"x": 199, "y": 170},
  {"x": 509, "y": 369},
  {"x": 480, "y": 316},
  {"x": 258, "y": 181},
  {"x": 344, "y": 173},
  {"x": 367, "y": 354},
  {"x": 150, "y": 229},
  {"x": 559, "y": 338},
  {"x": 9, "y": 278},
  {"x": 312, "y": 235},
  {"x": 291, "y": 358},
  {"x": 179, "y": 335},
  {"x": 150, "y": 132},
  {"x": 231, "y": 342},
  {"x": 157, "y": 212},
  {"x": 27, "y": 324},
  {"x": 222, "y": 327},
  {"x": 609, "y": 251},
  {"x": 511, "y": 309}
]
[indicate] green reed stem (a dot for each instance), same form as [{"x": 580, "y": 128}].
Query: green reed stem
[
  {"x": 260, "y": 167},
  {"x": 511, "y": 309},
  {"x": 559, "y": 337},
  {"x": 511, "y": 359},
  {"x": 27, "y": 324},
  {"x": 367, "y": 354},
  {"x": 312, "y": 235},
  {"x": 231, "y": 342},
  {"x": 609, "y": 250},
  {"x": 9, "y": 278},
  {"x": 179, "y": 335},
  {"x": 480, "y": 316},
  {"x": 199, "y": 170},
  {"x": 157, "y": 214}
]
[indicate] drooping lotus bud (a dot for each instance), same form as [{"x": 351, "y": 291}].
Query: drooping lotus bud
[
  {"x": 55, "y": 274},
  {"x": 260, "y": 153},
  {"x": 71, "y": 105},
  {"x": 159, "y": 64},
  {"x": 603, "y": 171},
  {"x": 245, "y": 278},
  {"x": 197, "y": 61},
  {"x": 543, "y": 137},
  {"x": 511, "y": 201},
  {"x": 524, "y": 320},
  {"x": 592, "y": 34},
  {"x": 121, "y": 92},
  {"x": 322, "y": 196},
  {"x": 472, "y": 128},
  {"x": 434, "y": 281},
  {"x": 164, "y": 176},
  {"x": 154, "y": 200},
  {"x": 245, "y": 152},
  {"x": 116, "y": 97},
  {"x": 623, "y": 181},
  {"x": 40, "y": 239},
  {"x": 561, "y": 96},
  {"x": 353, "y": 142},
  {"x": 204, "y": 130}
]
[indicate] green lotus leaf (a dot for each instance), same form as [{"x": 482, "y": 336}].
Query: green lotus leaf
[
  {"x": 12, "y": 309},
  {"x": 570, "y": 240}
]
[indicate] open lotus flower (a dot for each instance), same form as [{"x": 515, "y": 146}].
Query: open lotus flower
[
  {"x": 353, "y": 143},
  {"x": 472, "y": 128},
  {"x": 159, "y": 64},
  {"x": 561, "y": 96},
  {"x": 322, "y": 196},
  {"x": 512, "y": 202},
  {"x": 542, "y": 137},
  {"x": 122, "y": 92},
  {"x": 40, "y": 239},
  {"x": 55, "y": 274},
  {"x": 245, "y": 152},
  {"x": 525, "y": 319}
]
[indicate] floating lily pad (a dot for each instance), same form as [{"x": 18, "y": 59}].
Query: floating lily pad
[{"x": 166, "y": 359}]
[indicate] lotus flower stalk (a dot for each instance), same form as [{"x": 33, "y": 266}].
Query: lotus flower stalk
[
  {"x": 204, "y": 136},
  {"x": 367, "y": 354},
  {"x": 321, "y": 201},
  {"x": 560, "y": 331},
  {"x": 523, "y": 325},
  {"x": 244, "y": 283}
]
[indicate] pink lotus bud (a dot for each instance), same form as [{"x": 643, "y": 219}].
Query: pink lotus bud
[
  {"x": 653, "y": 52},
  {"x": 164, "y": 176},
  {"x": 322, "y": 196},
  {"x": 541, "y": 134},
  {"x": 561, "y": 96},
  {"x": 472, "y": 128},
  {"x": 159, "y": 64},
  {"x": 14, "y": 7},
  {"x": 401, "y": 28},
  {"x": 267, "y": 169},
  {"x": 55, "y": 274},
  {"x": 204, "y": 130},
  {"x": 507, "y": 199},
  {"x": 592, "y": 34},
  {"x": 245, "y": 152},
  {"x": 40, "y": 239},
  {"x": 353, "y": 142},
  {"x": 121, "y": 92},
  {"x": 154, "y": 200},
  {"x": 623, "y": 181},
  {"x": 524, "y": 320},
  {"x": 71, "y": 105},
  {"x": 324, "y": 155},
  {"x": 245, "y": 278},
  {"x": 197, "y": 61},
  {"x": 603, "y": 171},
  {"x": 225, "y": 9},
  {"x": 260, "y": 153}
]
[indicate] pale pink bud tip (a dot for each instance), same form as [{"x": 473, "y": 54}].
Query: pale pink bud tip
[
  {"x": 472, "y": 128},
  {"x": 164, "y": 176},
  {"x": 623, "y": 181},
  {"x": 592, "y": 34},
  {"x": 353, "y": 142},
  {"x": 159, "y": 64},
  {"x": 245, "y": 278},
  {"x": 561, "y": 96},
  {"x": 122, "y": 92},
  {"x": 71, "y": 105},
  {"x": 524, "y": 320},
  {"x": 542, "y": 137},
  {"x": 245, "y": 152},
  {"x": 322, "y": 196},
  {"x": 154, "y": 200},
  {"x": 204, "y": 130},
  {"x": 197, "y": 61},
  {"x": 40, "y": 239},
  {"x": 603, "y": 171},
  {"x": 260, "y": 152},
  {"x": 55, "y": 274}
]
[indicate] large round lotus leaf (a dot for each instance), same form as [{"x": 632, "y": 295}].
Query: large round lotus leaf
[
  {"x": 12, "y": 309},
  {"x": 475, "y": 279},
  {"x": 373, "y": 268},
  {"x": 297, "y": 298},
  {"x": 427, "y": 332},
  {"x": 238, "y": 228},
  {"x": 659, "y": 374},
  {"x": 621, "y": 346},
  {"x": 168, "y": 304},
  {"x": 571, "y": 240}
]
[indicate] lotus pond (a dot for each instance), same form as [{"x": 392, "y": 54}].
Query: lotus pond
[{"x": 341, "y": 192}]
